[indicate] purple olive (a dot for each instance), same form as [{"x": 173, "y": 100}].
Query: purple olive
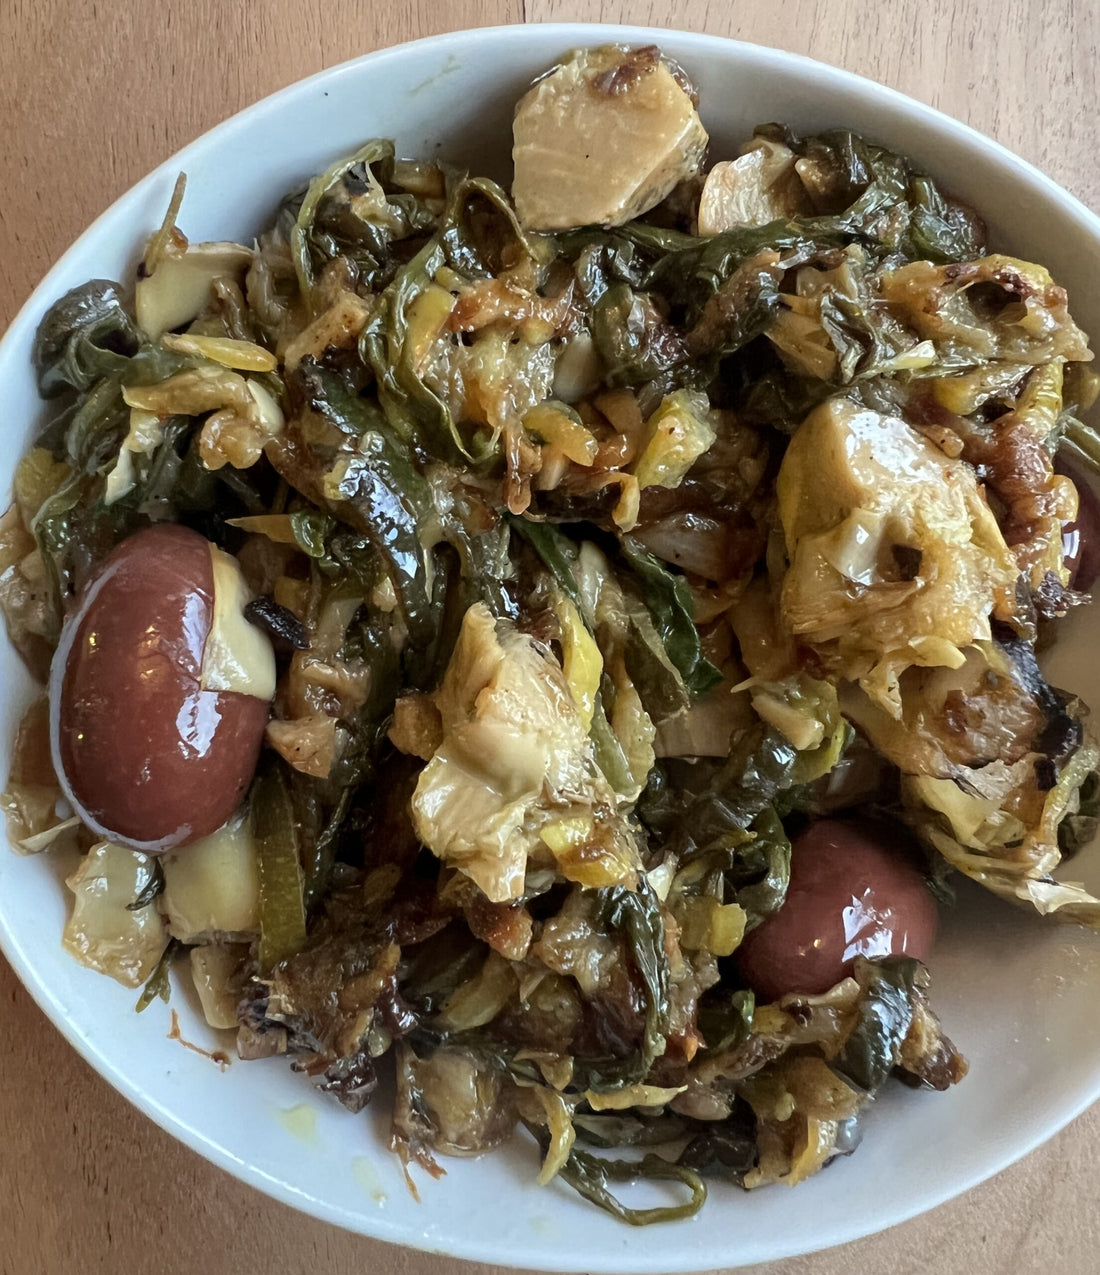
[
  {"x": 154, "y": 750},
  {"x": 1081, "y": 537},
  {"x": 852, "y": 892}
]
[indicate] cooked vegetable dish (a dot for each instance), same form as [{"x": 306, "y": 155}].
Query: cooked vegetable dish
[{"x": 556, "y": 646}]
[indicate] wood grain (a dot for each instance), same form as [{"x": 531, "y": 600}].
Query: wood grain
[{"x": 94, "y": 95}]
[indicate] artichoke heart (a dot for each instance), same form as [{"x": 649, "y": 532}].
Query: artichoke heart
[
  {"x": 515, "y": 762},
  {"x": 181, "y": 286},
  {"x": 895, "y": 557},
  {"x": 603, "y": 138}
]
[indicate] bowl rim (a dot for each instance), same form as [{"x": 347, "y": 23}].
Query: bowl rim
[{"x": 570, "y": 34}]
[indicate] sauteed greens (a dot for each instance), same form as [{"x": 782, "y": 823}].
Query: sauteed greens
[{"x": 607, "y": 536}]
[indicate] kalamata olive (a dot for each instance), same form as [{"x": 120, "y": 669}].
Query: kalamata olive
[
  {"x": 1081, "y": 537},
  {"x": 159, "y": 692},
  {"x": 852, "y": 892}
]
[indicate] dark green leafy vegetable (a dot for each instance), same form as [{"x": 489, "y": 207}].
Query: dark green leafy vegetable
[
  {"x": 557, "y": 552},
  {"x": 485, "y": 565},
  {"x": 414, "y": 410},
  {"x": 885, "y": 1012},
  {"x": 89, "y": 336},
  {"x": 320, "y": 853},
  {"x": 602, "y": 261},
  {"x": 608, "y": 750},
  {"x": 633, "y": 341},
  {"x": 84, "y": 337},
  {"x": 1079, "y": 828},
  {"x": 656, "y": 678},
  {"x": 152, "y": 888},
  {"x": 725, "y": 1018},
  {"x": 636, "y": 915},
  {"x": 172, "y": 480},
  {"x": 725, "y": 1148},
  {"x": 591, "y": 1176},
  {"x": 856, "y": 182},
  {"x": 1082, "y": 442},
  {"x": 696, "y": 273},
  {"x": 383, "y": 491},
  {"x": 354, "y": 211},
  {"x": 940, "y": 231},
  {"x": 608, "y": 1130},
  {"x": 774, "y": 396},
  {"x": 668, "y": 599},
  {"x": 325, "y": 391},
  {"x": 702, "y": 803},
  {"x": 765, "y": 864},
  {"x": 481, "y": 231},
  {"x": 158, "y": 986},
  {"x": 311, "y": 530},
  {"x": 742, "y": 308}
]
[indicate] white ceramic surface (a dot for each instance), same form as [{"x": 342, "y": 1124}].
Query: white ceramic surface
[{"x": 1017, "y": 995}]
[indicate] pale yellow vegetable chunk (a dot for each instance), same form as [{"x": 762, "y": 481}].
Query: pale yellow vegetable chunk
[
  {"x": 602, "y": 139},
  {"x": 213, "y": 886},
  {"x": 757, "y": 187},
  {"x": 212, "y": 966},
  {"x": 179, "y": 288},
  {"x": 104, "y": 932}
]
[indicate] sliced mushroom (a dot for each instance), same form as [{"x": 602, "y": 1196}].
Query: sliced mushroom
[{"x": 603, "y": 138}]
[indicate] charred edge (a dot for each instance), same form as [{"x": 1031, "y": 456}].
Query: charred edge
[
  {"x": 622, "y": 78},
  {"x": 279, "y": 623}
]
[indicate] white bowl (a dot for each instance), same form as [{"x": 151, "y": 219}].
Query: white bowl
[{"x": 1017, "y": 995}]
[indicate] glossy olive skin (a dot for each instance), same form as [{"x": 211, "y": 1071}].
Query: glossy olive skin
[
  {"x": 852, "y": 892},
  {"x": 1081, "y": 537},
  {"x": 148, "y": 757}
]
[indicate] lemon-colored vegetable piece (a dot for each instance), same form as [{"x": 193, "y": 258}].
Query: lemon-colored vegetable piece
[
  {"x": 562, "y": 432},
  {"x": 480, "y": 999},
  {"x": 581, "y": 659},
  {"x": 426, "y": 316},
  {"x": 515, "y": 756},
  {"x": 855, "y": 488},
  {"x": 559, "y": 1121},
  {"x": 709, "y": 926},
  {"x": 632, "y": 1096},
  {"x": 678, "y": 434},
  {"x": 567, "y": 834},
  {"x": 242, "y": 356}
]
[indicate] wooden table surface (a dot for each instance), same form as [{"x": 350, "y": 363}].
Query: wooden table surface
[{"x": 92, "y": 95}]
